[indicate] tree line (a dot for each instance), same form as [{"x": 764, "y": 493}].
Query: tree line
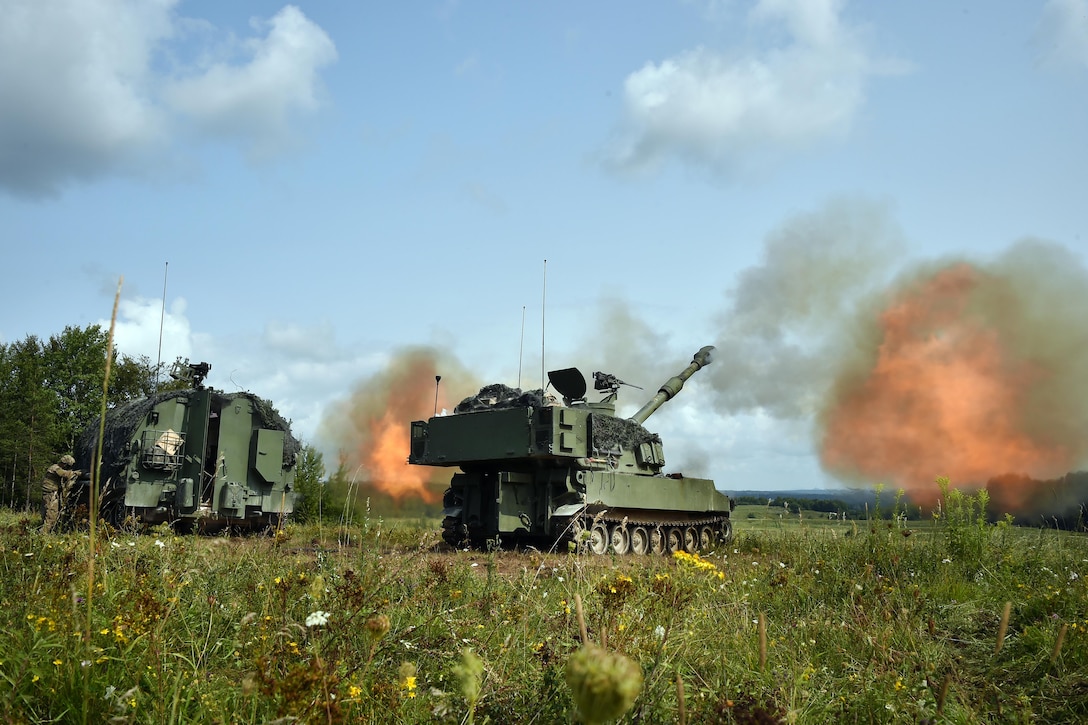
[
  {"x": 50, "y": 391},
  {"x": 855, "y": 509}
]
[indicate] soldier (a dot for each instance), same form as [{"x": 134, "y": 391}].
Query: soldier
[{"x": 58, "y": 480}]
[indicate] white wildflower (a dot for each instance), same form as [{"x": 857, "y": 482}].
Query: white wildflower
[{"x": 317, "y": 619}]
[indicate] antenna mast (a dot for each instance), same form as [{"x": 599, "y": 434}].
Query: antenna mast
[
  {"x": 162, "y": 319},
  {"x": 521, "y": 345},
  {"x": 543, "y": 307}
]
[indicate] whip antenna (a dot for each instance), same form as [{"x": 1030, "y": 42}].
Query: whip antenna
[
  {"x": 437, "y": 380},
  {"x": 162, "y": 319},
  {"x": 543, "y": 307},
  {"x": 521, "y": 345}
]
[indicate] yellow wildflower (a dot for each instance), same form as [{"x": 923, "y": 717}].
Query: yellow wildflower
[{"x": 409, "y": 686}]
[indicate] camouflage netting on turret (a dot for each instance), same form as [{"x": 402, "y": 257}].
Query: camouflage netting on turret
[
  {"x": 608, "y": 432},
  {"x": 611, "y": 433},
  {"x": 498, "y": 395},
  {"x": 123, "y": 422}
]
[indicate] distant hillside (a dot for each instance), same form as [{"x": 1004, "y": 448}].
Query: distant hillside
[
  {"x": 855, "y": 503},
  {"x": 851, "y": 496}
]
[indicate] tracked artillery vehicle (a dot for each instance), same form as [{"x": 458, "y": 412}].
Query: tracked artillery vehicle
[
  {"x": 193, "y": 457},
  {"x": 537, "y": 471}
]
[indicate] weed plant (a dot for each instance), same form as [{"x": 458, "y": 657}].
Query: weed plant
[{"x": 376, "y": 622}]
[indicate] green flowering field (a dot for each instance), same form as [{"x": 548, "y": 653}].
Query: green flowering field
[{"x": 796, "y": 621}]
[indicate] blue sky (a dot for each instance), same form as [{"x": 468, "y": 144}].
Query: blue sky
[{"x": 334, "y": 183}]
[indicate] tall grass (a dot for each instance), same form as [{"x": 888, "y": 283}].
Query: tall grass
[{"x": 804, "y": 624}]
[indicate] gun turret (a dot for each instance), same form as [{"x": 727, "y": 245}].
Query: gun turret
[
  {"x": 673, "y": 385},
  {"x": 553, "y": 474}
]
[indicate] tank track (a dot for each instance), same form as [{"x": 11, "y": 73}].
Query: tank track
[
  {"x": 619, "y": 531},
  {"x": 645, "y": 532},
  {"x": 454, "y": 531}
]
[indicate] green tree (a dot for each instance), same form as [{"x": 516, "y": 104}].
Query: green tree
[
  {"x": 50, "y": 392},
  {"x": 310, "y": 485},
  {"x": 29, "y": 435},
  {"x": 132, "y": 378},
  {"x": 75, "y": 363}
]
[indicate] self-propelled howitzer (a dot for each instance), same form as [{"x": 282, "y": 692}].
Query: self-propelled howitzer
[
  {"x": 541, "y": 472},
  {"x": 193, "y": 457}
]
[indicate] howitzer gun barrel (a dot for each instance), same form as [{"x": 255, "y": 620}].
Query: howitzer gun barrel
[{"x": 673, "y": 385}]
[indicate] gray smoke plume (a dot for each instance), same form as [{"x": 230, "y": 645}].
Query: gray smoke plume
[
  {"x": 783, "y": 330},
  {"x": 627, "y": 346}
]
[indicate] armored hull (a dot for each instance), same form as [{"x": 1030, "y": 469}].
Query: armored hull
[
  {"x": 537, "y": 471},
  {"x": 195, "y": 457}
]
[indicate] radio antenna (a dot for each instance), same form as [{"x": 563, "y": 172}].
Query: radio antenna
[
  {"x": 437, "y": 380},
  {"x": 162, "y": 319},
  {"x": 521, "y": 345},
  {"x": 543, "y": 308}
]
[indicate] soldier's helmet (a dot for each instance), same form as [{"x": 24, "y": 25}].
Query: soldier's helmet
[{"x": 67, "y": 460}]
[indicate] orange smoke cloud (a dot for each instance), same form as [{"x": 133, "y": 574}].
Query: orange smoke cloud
[
  {"x": 978, "y": 371},
  {"x": 384, "y": 452},
  {"x": 373, "y": 425},
  {"x": 949, "y": 392}
]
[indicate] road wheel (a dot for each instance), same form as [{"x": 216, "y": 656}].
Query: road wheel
[
  {"x": 621, "y": 539},
  {"x": 640, "y": 540},
  {"x": 691, "y": 540},
  {"x": 706, "y": 538},
  {"x": 674, "y": 540},
  {"x": 453, "y": 531},
  {"x": 657, "y": 541},
  {"x": 598, "y": 538}
]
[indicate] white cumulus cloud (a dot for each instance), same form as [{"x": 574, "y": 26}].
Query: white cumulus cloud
[
  {"x": 92, "y": 88},
  {"x": 142, "y": 328},
  {"x": 254, "y": 101},
  {"x": 717, "y": 109}
]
